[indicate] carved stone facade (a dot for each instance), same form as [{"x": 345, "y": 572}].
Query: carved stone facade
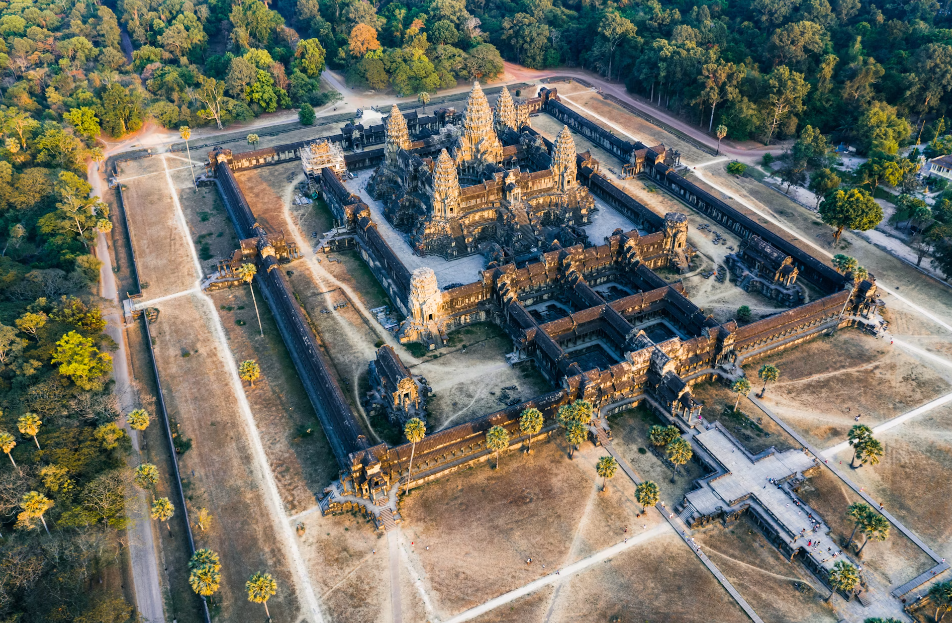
[
  {"x": 758, "y": 266},
  {"x": 493, "y": 188},
  {"x": 395, "y": 390}
]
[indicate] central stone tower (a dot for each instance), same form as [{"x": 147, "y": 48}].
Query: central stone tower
[
  {"x": 398, "y": 137},
  {"x": 445, "y": 188},
  {"x": 478, "y": 144}
]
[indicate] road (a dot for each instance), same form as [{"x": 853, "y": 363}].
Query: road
[{"x": 145, "y": 564}]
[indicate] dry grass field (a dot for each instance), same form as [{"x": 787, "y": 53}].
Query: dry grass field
[
  {"x": 756, "y": 431},
  {"x": 826, "y": 382},
  {"x": 774, "y": 587}
]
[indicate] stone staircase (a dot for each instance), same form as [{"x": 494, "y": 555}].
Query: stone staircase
[{"x": 385, "y": 520}]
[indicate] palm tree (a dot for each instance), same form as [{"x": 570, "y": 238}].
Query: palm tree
[
  {"x": 162, "y": 510},
  {"x": 858, "y": 512},
  {"x": 647, "y": 494},
  {"x": 579, "y": 411},
  {"x": 205, "y": 573},
  {"x": 423, "y": 98},
  {"x": 941, "y": 596},
  {"x": 575, "y": 434},
  {"x": 29, "y": 424},
  {"x": 871, "y": 452},
  {"x": 844, "y": 263},
  {"x": 857, "y": 437},
  {"x": 843, "y": 577},
  {"x": 741, "y": 387},
  {"x": 249, "y": 371},
  {"x": 7, "y": 444},
  {"x": 186, "y": 133},
  {"x": 253, "y": 139},
  {"x": 767, "y": 373},
  {"x": 247, "y": 272},
  {"x": 720, "y": 132},
  {"x": 261, "y": 587},
  {"x": 606, "y": 468},
  {"x": 34, "y": 504},
  {"x": 138, "y": 419},
  {"x": 875, "y": 529},
  {"x": 146, "y": 475},
  {"x": 415, "y": 431},
  {"x": 663, "y": 435},
  {"x": 679, "y": 452},
  {"x": 205, "y": 558},
  {"x": 497, "y": 439},
  {"x": 530, "y": 423}
]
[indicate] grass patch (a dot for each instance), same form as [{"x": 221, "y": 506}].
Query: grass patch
[
  {"x": 416, "y": 349},
  {"x": 204, "y": 216},
  {"x": 757, "y": 174}
]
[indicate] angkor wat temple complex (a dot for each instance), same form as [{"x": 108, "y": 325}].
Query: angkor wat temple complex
[
  {"x": 486, "y": 187},
  {"x": 597, "y": 321}
]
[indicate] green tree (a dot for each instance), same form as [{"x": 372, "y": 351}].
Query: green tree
[
  {"x": 31, "y": 322},
  {"x": 306, "y": 114},
  {"x": 785, "y": 91},
  {"x": 29, "y": 425},
  {"x": 497, "y": 440},
  {"x": 822, "y": 182},
  {"x": 424, "y": 98},
  {"x": 579, "y": 411},
  {"x": 162, "y": 510},
  {"x": 679, "y": 452},
  {"x": 261, "y": 587},
  {"x": 871, "y": 451},
  {"x": 575, "y": 433},
  {"x": 414, "y": 431},
  {"x": 310, "y": 57},
  {"x": 720, "y": 132},
  {"x": 663, "y": 435},
  {"x": 941, "y": 595},
  {"x": 859, "y": 512},
  {"x": 857, "y": 436},
  {"x": 613, "y": 31},
  {"x": 876, "y": 528},
  {"x": 146, "y": 476},
  {"x": 249, "y": 371},
  {"x": 211, "y": 93},
  {"x": 138, "y": 419},
  {"x": 7, "y": 444},
  {"x": 606, "y": 468},
  {"x": 109, "y": 435},
  {"x": 204, "y": 580},
  {"x": 253, "y": 139},
  {"x": 84, "y": 120},
  {"x": 34, "y": 505},
  {"x": 530, "y": 423},
  {"x": 720, "y": 80},
  {"x": 768, "y": 374},
  {"x": 844, "y": 263},
  {"x": 121, "y": 111},
  {"x": 247, "y": 272},
  {"x": 527, "y": 37},
  {"x": 81, "y": 361},
  {"x": 879, "y": 128},
  {"x": 853, "y": 209},
  {"x": 743, "y": 313},
  {"x": 843, "y": 577},
  {"x": 742, "y": 388},
  {"x": 647, "y": 494},
  {"x": 736, "y": 168}
]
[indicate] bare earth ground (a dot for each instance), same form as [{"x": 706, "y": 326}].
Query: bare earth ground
[
  {"x": 822, "y": 378},
  {"x": 220, "y": 472},
  {"x": 892, "y": 562},
  {"x": 532, "y": 607},
  {"x": 630, "y": 431},
  {"x": 754, "y": 430},
  {"x": 775, "y": 587},
  {"x": 909, "y": 478}
]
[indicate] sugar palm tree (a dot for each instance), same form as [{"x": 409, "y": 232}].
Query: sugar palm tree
[
  {"x": 606, "y": 468},
  {"x": 843, "y": 577},
  {"x": 875, "y": 529},
  {"x": 162, "y": 510},
  {"x": 679, "y": 453},
  {"x": 579, "y": 411},
  {"x": 186, "y": 133},
  {"x": 261, "y": 587},
  {"x": 146, "y": 475},
  {"x": 249, "y": 371},
  {"x": 741, "y": 387},
  {"x": 415, "y": 431},
  {"x": 647, "y": 494},
  {"x": 7, "y": 444},
  {"x": 205, "y": 558},
  {"x": 720, "y": 132},
  {"x": 941, "y": 596},
  {"x": 205, "y": 580},
  {"x": 663, "y": 435},
  {"x": 871, "y": 452},
  {"x": 247, "y": 272},
  {"x": 530, "y": 423},
  {"x": 29, "y": 424},
  {"x": 497, "y": 440},
  {"x": 858, "y": 512},
  {"x": 138, "y": 419},
  {"x": 34, "y": 505},
  {"x": 767, "y": 373},
  {"x": 844, "y": 263},
  {"x": 857, "y": 436},
  {"x": 423, "y": 98},
  {"x": 253, "y": 139},
  {"x": 575, "y": 434}
]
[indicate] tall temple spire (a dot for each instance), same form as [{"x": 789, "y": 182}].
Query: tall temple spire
[
  {"x": 398, "y": 137},
  {"x": 563, "y": 160},
  {"x": 445, "y": 187},
  {"x": 479, "y": 144},
  {"x": 505, "y": 111}
]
